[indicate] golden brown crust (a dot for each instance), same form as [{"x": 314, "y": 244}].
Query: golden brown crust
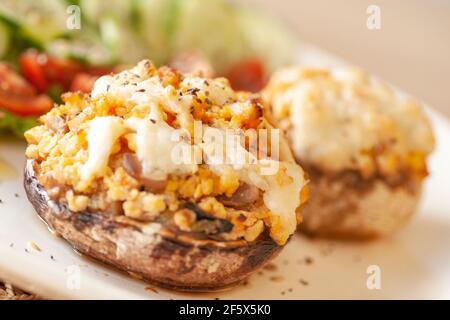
[
  {"x": 347, "y": 206},
  {"x": 9, "y": 292},
  {"x": 151, "y": 253}
]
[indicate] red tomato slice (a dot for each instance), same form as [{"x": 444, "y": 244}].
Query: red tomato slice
[
  {"x": 101, "y": 71},
  {"x": 25, "y": 105},
  {"x": 62, "y": 71},
  {"x": 83, "y": 82},
  {"x": 247, "y": 75},
  {"x": 18, "y": 96},
  {"x": 43, "y": 70},
  {"x": 14, "y": 83},
  {"x": 32, "y": 64}
]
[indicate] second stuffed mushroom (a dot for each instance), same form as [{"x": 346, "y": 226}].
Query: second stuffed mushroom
[{"x": 363, "y": 145}]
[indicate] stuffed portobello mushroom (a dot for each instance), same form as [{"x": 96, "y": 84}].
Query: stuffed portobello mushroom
[
  {"x": 363, "y": 146},
  {"x": 141, "y": 174}
]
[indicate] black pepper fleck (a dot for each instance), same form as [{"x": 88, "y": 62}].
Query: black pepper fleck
[
  {"x": 193, "y": 91},
  {"x": 303, "y": 282}
]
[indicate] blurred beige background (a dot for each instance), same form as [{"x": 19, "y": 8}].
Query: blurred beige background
[{"x": 411, "y": 50}]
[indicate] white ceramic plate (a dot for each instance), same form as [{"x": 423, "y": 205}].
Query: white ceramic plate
[{"x": 415, "y": 263}]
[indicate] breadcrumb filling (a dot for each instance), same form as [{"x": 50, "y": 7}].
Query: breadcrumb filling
[{"x": 110, "y": 151}]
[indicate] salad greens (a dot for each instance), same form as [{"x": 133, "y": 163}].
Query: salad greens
[
  {"x": 117, "y": 32},
  {"x": 17, "y": 125}
]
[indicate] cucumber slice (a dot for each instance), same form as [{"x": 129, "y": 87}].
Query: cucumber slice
[
  {"x": 266, "y": 39},
  {"x": 155, "y": 21},
  {"x": 4, "y": 39},
  {"x": 124, "y": 45},
  {"x": 210, "y": 26},
  {"x": 87, "y": 49},
  {"x": 40, "y": 20},
  {"x": 95, "y": 10}
]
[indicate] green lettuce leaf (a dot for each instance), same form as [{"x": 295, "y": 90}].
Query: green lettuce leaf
[{"x": 17, "y": 125}]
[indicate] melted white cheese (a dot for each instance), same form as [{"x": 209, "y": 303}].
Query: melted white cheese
[
  {"x": 160, "y": 148},
  {"x": 283, "y": 200},
  {"x": 336, "y": 117},
  {"x": 281, "y": 196},
  {"x": 103, "y": 133}
]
